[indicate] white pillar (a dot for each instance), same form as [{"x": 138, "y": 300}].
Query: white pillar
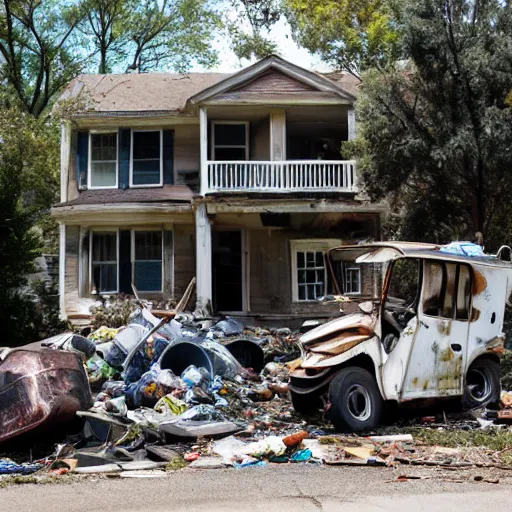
[
  {"x": 203, "y": 136},
  {"x": 203, "y": 262},
  {"x": 351, "y": 124},
  {"x": 65, "y": 152},
  {"x": 62, "y": 271}
]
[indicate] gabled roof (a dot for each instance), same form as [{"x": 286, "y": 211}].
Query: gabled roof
[
  {"x": 315, "y": 80},
  {"x": 168, "y": 93}
]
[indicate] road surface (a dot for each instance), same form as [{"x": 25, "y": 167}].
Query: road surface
[{"x": 294, "y": 488}]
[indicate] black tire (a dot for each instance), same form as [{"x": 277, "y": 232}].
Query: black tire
[
  {"x": 306, "y": 404},
  {"x": 356, "y": 402},
  {"x": 482, "y": 386}
]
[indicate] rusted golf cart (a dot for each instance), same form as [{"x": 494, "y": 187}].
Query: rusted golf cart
[{"x": 429, "y": 326}]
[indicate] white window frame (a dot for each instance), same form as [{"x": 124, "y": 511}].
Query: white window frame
[
  {"x": 348, "y": 269},
  {"x": 229, "y": 146},
  {"x": 89, "y": 159},
  {"x": 99, "y": 231},
  {"x": 150, "y": 185},
  {"x": 309, "y": 245},
  {"x": 133, "y": 260}
]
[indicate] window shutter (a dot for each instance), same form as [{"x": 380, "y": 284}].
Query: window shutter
[
  {"x": 124, "y": 157},
  {"x": 82, "y": 159},
  {"x": 125, "y": 262},
  {"x": 168, "y": 156}
]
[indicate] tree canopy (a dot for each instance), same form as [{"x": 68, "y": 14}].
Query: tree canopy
[{"x": 435, "y": 135}]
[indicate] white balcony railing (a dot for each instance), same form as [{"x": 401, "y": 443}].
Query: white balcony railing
[{"x": 281, "y": 176}]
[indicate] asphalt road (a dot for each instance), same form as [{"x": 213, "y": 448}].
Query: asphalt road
[{"x": 295, "y": 488}]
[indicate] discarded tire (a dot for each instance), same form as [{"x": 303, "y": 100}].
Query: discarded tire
[
  {"x": 179, "y": 356},
  {"x": 482, "y": 384},
  {"x": 356, "y": 403}
]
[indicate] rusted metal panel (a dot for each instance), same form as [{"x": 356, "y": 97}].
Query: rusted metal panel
[{"x": 40, "y": 389}]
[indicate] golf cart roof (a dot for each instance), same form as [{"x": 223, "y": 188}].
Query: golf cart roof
[{"x": 380, "y": 252}]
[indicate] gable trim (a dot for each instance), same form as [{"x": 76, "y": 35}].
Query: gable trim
[{"x": 273, "y": 62}]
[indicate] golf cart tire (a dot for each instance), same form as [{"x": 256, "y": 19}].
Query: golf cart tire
[
  {"x": 356, "y": 402},
  {"x": 483, "y": 369},
  {"x": 306, "y": 403}
]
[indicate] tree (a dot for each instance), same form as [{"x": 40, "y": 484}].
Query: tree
[
  {"x": 352, "y": 35},
  {"x": 435, "y": 137},
  {"x": 260, "y": 16},
  {"x": 106, "y": 25},
  {"x": 38, "y": 45},
  {"x": 166, "y": 33},
  {"x": 28, "y": 149}
]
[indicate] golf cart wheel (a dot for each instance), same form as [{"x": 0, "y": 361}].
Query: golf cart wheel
[
  {"x": 482, "y": 384},
  {"x": 356, "y": 402},
  {"x": 306, "y": 404}
]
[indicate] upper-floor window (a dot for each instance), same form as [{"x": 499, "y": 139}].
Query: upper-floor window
[
  {"x": 230, "y": 140},
  {"x": 103, "y": 160},
  {"x": 146, "y": 163}
]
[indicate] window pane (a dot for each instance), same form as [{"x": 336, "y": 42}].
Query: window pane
[
  {"x": 103, "y": 159},
  {"x": 353, "y": 279},
  {"x": 310, "y": 275},
  {"x": 300, "y": 260},
  {"x": 432, "y": 289},
  {"x": 146, "y": 145},
  {"x": 230, "y": 134},
  {"x": 103, "y": 146},
  {"x": 463, "y": 293},
  {"x": 104, "y": 247},
  {"x": 148, "y": 245},
  {"x": 449, "y": 293},
  {"x": 103, "y": 174},
  {"x": 148, "y": 260},
  {"x": 146, "y": 172},
  {"x": 104, "y": 262},
  {"x": 230, "y": 154}
]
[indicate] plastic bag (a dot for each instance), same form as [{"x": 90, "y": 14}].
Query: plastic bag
[
  {"x": 229, "y": 326},
  {"x": 171, "y": 404},
  {"x": 271, "y": 445},
  {"x": 195, "y": 376}
]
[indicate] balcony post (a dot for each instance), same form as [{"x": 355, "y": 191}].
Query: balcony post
[
  {"x": 65, "y": 152},
  {"x": 203, "y": 261},
  {"x": 352, "y": 124},
  {"x": 203, "y": 136}
]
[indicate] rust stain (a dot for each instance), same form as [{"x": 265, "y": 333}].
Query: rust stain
[
  {"x": 447, "y": 355},
  {"x": 415, "y": 381},
  {"x": 479, "y": 283},
  {"x": 475, "y": 315},
  {"x": 444, "y": 328},
  {"x": 425, "y": 385}
]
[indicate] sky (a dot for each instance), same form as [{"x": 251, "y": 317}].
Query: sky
[{"x": 281, "y": 34}]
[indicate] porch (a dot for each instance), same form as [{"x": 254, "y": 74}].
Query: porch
[{"x": 262, "y": 149}]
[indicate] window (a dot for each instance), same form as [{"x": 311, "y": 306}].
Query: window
[
  {"x": 147, "y": 265},
  {"x": 146, "y": 163},
  {"x": 230, "y": 141},
  {"x": 447, "y": 290},
  {"x": 104, "y": 278},
  {"x": 353, "y": 281},
  {"x": 102, "y": 160},
  {"x": 309, "y": 272}
]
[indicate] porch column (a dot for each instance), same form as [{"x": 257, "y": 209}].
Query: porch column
[
  {"x": 62, "y": 270},
  {"x": 203, "y": 262},
  {"x": 352, "y": 124},
  {"x": 203, "y": 137},
  {"x": 65, "y": 152},
  {"x": 278, "y": 135}
]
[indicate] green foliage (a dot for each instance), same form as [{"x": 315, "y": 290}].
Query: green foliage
[
  {"x": 435, "y": 135},
  {"x": 353, "y": 35},
  {"x": 249, "y": 32},
  {"x": 28, "y": 184}
]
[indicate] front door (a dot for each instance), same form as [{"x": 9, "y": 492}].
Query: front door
[
  {"x": 438, "y": 351},
  {"x": 227, "y": 271}
]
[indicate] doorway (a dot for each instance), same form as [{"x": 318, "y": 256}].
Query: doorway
[{"x": 227, "y": 271}]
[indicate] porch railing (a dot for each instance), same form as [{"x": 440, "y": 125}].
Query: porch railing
[{"x": 281, "y": 176}]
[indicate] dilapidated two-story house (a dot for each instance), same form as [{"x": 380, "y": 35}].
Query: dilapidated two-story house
[{"x": 236, "y": 179}]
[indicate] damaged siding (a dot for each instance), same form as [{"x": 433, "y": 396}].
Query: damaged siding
[{"x": 184, "y": 257}]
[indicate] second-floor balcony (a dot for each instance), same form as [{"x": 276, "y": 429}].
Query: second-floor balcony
[{"x": 280, "y": 176}]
